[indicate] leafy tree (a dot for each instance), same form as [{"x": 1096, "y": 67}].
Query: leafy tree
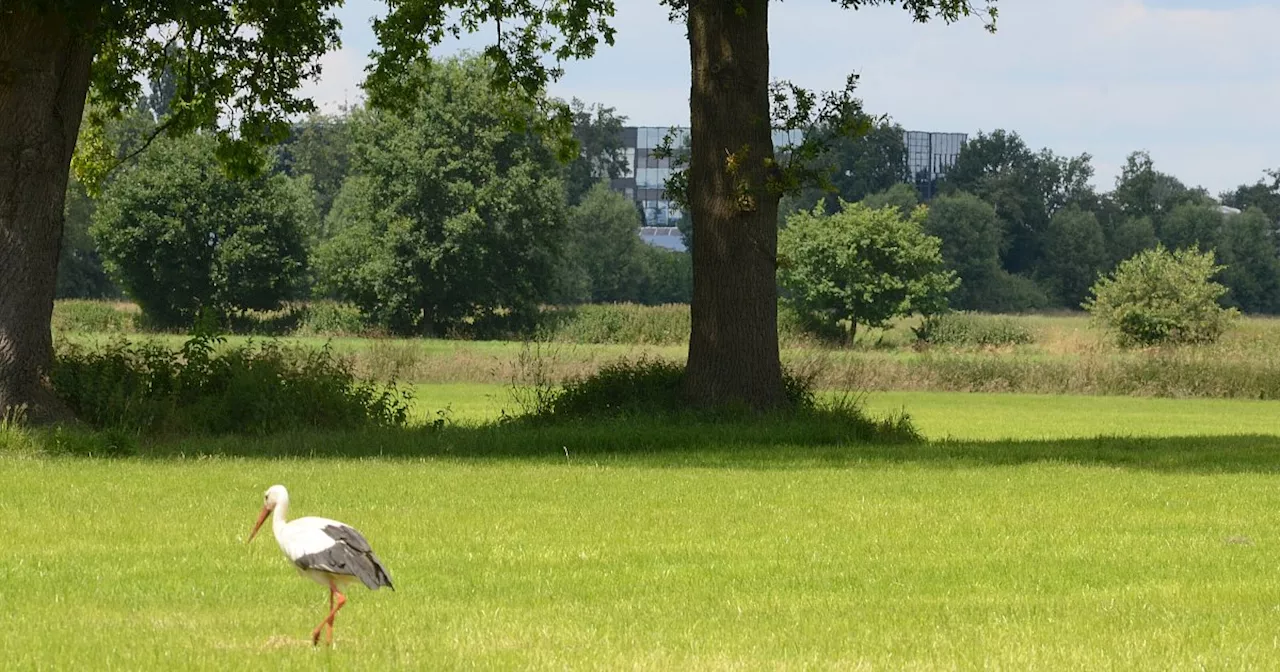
[
  {"x": 1190, "y": 224},
  {"x": 902, "y": 196},
  {"x": 239, "y": 64},
  {"x": 604, "y": 248},
  {"x": 970, "y": 235},
  {"x": 861, "y": 266},
  {"x": 180, "y": 236},
  {"x": 1077, "y": 252},
  {"x": 451, "y": 219},
  {"x": 1247, "y": 246},
  {"x": 1143, "y": 191},
  {"x": 1125, "y": 235},
  {"x": 598, "y": 130},
  {"x": 1162, "y": 297}
]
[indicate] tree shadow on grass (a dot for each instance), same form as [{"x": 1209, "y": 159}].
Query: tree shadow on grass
[{"x": 787, "y": 444}]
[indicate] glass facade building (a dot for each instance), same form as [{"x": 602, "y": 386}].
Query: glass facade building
[{"x": 928, "y": 157}]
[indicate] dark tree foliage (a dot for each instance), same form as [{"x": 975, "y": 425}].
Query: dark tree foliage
[
  {"x": 180, "y": 236},
  {"x": 319, "y": 149},
  {"x": 1247, "y": 246},
  {"x": 1190, "y": 224},
  {"x": 80, "y": 271},
  {"x": 859, "y": 166},
  {"x": 1026, "y": 188},
  {"x": 1076, "y": 254},
  {"x": 970, "y": 232}
]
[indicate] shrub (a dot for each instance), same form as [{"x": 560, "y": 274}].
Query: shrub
[
  {"x": 861, "y": 266},
  {"x": 646, "y": 387},
  {"x": 1161, "y": 297},
  {"x": 146, "y": 387},
  {"x": 333, "y": 319},
  {"x": 973, "y": 329}
]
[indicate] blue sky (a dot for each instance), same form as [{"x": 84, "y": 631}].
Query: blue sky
[{"x": 1194, "y": 82}]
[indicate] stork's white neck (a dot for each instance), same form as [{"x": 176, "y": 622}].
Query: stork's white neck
[{"x": 278, "y": 521}]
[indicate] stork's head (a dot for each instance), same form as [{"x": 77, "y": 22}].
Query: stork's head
[
  {"x": 275, "y": 494},
  {"x": 273, "y": 497}
]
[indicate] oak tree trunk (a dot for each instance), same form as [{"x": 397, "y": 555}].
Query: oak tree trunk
[
  {"x": 45, "y": 59},
  {"x": 733, "y": 344}
]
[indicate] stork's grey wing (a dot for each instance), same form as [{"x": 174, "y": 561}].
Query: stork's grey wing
[{"x": 350, "y": 554}]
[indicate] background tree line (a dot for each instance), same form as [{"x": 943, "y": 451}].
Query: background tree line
[{"x": 441, "y": 219}]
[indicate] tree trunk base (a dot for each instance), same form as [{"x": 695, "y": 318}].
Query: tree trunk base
[{"x": 41, "y": 407}]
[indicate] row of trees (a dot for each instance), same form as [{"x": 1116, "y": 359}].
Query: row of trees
[
  {"x": 432, "y": 220},
  {"x": 1025, "y": 230},
  {"x": 420, "y": 216}
]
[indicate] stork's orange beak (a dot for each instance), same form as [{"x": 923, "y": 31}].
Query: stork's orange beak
[{"x": 262, "y": 516}]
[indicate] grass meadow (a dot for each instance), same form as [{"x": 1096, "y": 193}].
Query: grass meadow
[
  {"x": 1023, "y": 542},
  {"x": 1129, "y": 525}
]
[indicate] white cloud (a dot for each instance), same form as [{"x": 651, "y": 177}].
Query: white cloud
[{"x": 1197, "y": 87}]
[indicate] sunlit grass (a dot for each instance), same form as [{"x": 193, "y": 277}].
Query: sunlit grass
[
  {"x": 943, "y": 562},
  {"x": 958, "y": 415}
]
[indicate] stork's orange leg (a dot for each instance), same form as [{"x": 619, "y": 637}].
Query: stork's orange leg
[{"x": 333, "y": 611}]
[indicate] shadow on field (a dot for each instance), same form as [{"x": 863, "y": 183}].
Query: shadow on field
[{"x": 776, "y": 445}]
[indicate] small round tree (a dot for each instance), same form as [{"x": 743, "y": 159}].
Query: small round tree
[
  {"x": 1162, "y": 297},
  {"x": 861, "y": 266},
  {"x": 180, "y": 236}
]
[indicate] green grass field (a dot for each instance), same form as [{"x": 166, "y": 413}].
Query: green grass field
[
  {"x": 1029, "y": 542},
  {"x": 960, "y": 415}
]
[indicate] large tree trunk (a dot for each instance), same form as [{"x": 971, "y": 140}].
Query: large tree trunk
[
  {"x": 45, "y": 59},
  {"x": 733, "y": 344}
]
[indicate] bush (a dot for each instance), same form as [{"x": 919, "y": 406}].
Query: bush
[
  {"x": 972, "y": 329},
  {"x": 146, "y": 387},
  {"x": 332, "y": 318},
  {"x": 645, "y": 387},
  {"x": 861, "y": 266},
  {"x": 1161, "y": 297}
]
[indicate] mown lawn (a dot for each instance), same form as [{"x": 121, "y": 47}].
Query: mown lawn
[
  {"x": 1029, "y": 542},
  {"x": 960, "y": 415}
]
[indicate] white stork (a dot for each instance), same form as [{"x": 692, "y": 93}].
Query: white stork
[{"x": 330, "y": 553}]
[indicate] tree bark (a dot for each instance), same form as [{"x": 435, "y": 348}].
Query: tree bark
[
  {"x": 733, "y": 343},
  {"x": 45, "y": 58}
]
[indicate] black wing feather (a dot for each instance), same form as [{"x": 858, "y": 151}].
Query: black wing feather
[{"x": 350, "y": 554}]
